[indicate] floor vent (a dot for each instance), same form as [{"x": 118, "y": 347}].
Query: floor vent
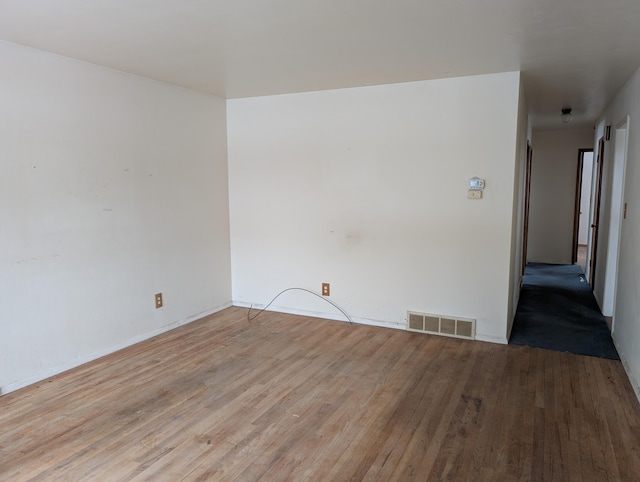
[{"x": 441, "y": 325}]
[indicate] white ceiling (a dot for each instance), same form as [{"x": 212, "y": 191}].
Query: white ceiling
[{"x": 574, "y": 53}]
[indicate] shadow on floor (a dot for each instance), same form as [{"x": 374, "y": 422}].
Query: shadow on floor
[{"x": 557, "y": 311}]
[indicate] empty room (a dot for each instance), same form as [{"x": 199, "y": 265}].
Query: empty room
[{"x": 310, "y": 240}]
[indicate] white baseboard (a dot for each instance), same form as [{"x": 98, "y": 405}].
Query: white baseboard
[
  {"x": 49, "y": 372},
  {"x": 363, "y": 321},
  {"x": 500, "y": 340},
  {"x": 326, "y": 316}
]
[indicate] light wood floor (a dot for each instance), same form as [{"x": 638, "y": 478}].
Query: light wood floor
[{"x": 295, "y": 398}]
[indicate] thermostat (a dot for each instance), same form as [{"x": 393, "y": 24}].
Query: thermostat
[{"x": 476, "y": 184}]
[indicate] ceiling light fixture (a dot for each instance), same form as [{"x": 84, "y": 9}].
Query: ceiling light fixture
[{"x": 566, "y": 115}]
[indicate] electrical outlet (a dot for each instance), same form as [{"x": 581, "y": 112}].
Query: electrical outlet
[
  {"x": 326, "y": 289},
  {"x": 158, "y": 300}
]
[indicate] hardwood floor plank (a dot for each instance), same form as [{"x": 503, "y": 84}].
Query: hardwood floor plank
[{"x": 287, "y": 397}]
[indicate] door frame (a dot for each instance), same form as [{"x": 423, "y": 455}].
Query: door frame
[
  {"x": 578, "y": 201},
  {"x": 527, "y": 199},
  {"x": 619, "y": 160},
  {"x": 597, "y": 198}
]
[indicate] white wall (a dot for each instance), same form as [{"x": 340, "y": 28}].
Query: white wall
[
  {"x": 626, "y": 324},
  {"x": 515, "y": 273},
  {"x": 366, "y": 188},
  {"x": 585, "y": 198},
  {"x": 553, "y": 190},
  {"x": 113, "y": 188}
]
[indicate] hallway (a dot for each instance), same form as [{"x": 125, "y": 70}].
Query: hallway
[{"x": 557, "y": 311}]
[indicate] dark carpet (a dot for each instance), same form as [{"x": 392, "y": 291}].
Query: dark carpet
[{"x": 557, "y": 311}]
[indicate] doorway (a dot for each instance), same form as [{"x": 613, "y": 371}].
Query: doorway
[
  {"x": 597, "y": 196},
  {"x": 582, "y": 205},
  {"x": 527, "y": 203},
  {"x": 557, "y": 309},
  {"x": 606, "y": 279}
]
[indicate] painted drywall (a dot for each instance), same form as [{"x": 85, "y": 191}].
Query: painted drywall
[
  {"x": 585, "y": 198},
  {"x": 515, "y": 273},
  {"x": 626, "y": 314},
  {"x": 553, "y": 190},
  {"x": 366, "y": 189},
  {"x": 113, "y": 188}
]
